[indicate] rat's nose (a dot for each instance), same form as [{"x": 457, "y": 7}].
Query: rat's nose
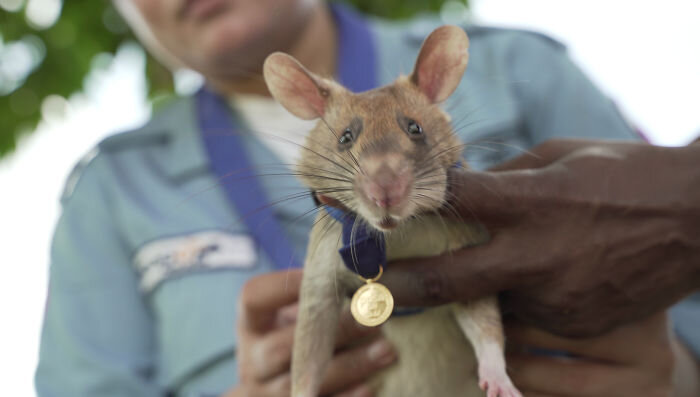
[{"x": 387, "y": 188}]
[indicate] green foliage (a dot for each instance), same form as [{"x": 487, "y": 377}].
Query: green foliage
[
  {"x": 396, "y": 9},
  {"x": 64, "y": 53},
  {"x": 67, "y": 52}
]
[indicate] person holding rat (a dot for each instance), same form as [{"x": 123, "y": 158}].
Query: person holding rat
[
  {"x": 156, "y": 290},
  {"x": 630, "y": 224}
]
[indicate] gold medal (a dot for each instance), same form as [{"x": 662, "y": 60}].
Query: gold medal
[{"x": 372, "y": 304}]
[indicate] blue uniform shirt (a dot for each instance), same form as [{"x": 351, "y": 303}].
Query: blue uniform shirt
[{"x": 148, "y": 260}]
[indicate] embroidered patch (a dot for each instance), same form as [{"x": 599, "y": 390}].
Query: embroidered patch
[{"x": 212, "y": 249}]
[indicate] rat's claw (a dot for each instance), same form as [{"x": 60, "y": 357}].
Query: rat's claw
[{"x": 496, "y": 383}]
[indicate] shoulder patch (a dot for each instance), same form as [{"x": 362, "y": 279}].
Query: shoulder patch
[{"x": 206, "y": 250}]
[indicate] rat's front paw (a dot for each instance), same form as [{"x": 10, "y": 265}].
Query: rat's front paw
[{"x": 496, "y": 383}]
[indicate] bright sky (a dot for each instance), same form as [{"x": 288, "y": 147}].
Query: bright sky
[{"x": 642, "y": 53}]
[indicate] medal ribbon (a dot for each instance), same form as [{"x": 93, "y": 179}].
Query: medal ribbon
[{"x": 363, "y": 250}]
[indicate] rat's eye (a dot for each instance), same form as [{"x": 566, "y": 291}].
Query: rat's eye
[
  {"x": 414, "y": 129},
  {"x": 350, "y": 134},
  {"x": 346, "y": 137}
]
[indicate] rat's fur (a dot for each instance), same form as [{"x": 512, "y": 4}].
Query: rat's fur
[{"x": 435, "y": 356}]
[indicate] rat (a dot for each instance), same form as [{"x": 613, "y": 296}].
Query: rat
[{"x": 384, "y": 155}]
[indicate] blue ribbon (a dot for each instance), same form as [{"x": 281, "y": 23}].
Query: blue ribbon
[
  {"x": 357, "y": 58},
  {"x": 363, "y": 250},
  {"x": 229, "y": 161}
]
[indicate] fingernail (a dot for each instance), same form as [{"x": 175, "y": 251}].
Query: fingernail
[
  {"x": 287, "y": 315},
  {"x": 381, "y": 351}
]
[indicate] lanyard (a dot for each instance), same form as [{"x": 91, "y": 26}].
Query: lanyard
[{"x": 227, "y": 155}]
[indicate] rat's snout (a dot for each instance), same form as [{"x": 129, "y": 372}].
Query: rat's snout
[
  {"x": 386, "y": 188},
  {"x": 387, "y": 181}
]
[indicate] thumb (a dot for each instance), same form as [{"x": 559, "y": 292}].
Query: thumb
[
  {"x": 488, "y": 196},
  {"x": 461, "y": 275},
  {"x": 263, "y": 296},
  {"x": 509, "y": 188}
]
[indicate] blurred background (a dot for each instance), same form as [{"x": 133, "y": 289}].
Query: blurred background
[{"x": 72, "y": 73}]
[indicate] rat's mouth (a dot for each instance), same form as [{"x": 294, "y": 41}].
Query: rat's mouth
[
  {"x": 387, "y": 223},
  {"x": 383, "y": 222}
]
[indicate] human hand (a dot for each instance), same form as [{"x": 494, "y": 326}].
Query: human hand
[
  {"x": 586, "y": 235},
  {"x": 633, "y": 360},
  {"x": 265, "y": 338}
]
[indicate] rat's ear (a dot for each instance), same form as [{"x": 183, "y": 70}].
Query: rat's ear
[
  {"x": 298, "y": 90},
  {"x": 441, "y": 62}
]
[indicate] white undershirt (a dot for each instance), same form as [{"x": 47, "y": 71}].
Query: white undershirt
[{"x": 273, "y": 125}]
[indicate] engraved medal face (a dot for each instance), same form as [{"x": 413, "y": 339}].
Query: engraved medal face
[{"x": 372, "y": 304}]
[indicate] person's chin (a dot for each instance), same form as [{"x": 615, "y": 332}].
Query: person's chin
[{"x": 226, "y": 39}]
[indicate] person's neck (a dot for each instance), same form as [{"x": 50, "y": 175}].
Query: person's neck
[{"x": 315, "y": 48}]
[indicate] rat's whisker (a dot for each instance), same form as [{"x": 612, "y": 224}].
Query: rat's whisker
[
  {"x": 309, "y": 138},
  {"x": 225, "y": 132},
  {"x": 433, "y": 172},
  {"x": 467, "y": 115},
  {"x": 520, "y": 149},
  {"x": 352, "y": 157},
  {"x": 442, "y": 204},
  {"x": 429, "y": 157},
  {"x": 306, "y": 193},
  {"x": 436, "y": 179},
  {"x": 337, "y": 137},
  {"x": 286, "y": 167},
  {"x": 451, "y": 198},
  {"x": 313, "y": 152},
  {"x": 325, "y": 171},
  {"x": 444, "y": 224},
  {"x": 463, "y": 125},
  {"x": 353, "y": 250}
]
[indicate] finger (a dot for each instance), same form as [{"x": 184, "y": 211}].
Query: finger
[
  {"x": 356, "y": 365},
  {"x": 271, "y": 355},
  {"x": 287, "y": 315},
  {"x": 520, "y": 335},
  {"x": 567, "y": 377},
  {"x": 350, "y": 331},
  {"x": 362, "y": 390},
  {"x": 280, "y": 386},
  {"x": 530, "y": 393},
  {"x": 544, "y": 154},
  {"x": 262, "y": 296},
  {"x": 515, "y": 187},
  {"x": 621, "y": 346},
  {"x": 490, "y": 196},
  {"x": 462, "y": 275}
]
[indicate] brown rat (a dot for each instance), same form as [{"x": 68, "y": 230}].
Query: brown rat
[{"x": 384, "y": 155}]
